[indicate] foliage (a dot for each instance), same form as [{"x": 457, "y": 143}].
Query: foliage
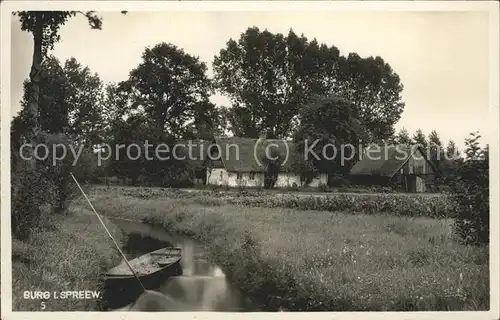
[
  {"x": 151, "y": 161},
  {"x": 51, "y": 22},
  {"x": 44, "y": 26},
  {"x": 272, "y": 168},
  {"x": 32, "y": 192},
  {"x": 165, "y": 98},
  {"x": 269, "y": 76},
  {"x": 470, "y": 189},
  {"x": 170, "y": 89},
  {"x": 376, "y": 201},
  {"x": 419, "y": 138},
  {"x": 452, "y": 151},
  {"x": 70, "y": 102},
  {"x": 375, "y": 89},
  {"x": 449, "y": 164},
  {"x": 393, "y": 204},
  {"x": 330, "y": 126},
  {"x": 435, "y": 150},
  {"x": 37, "y": 185},
  {"x": 402, "y": 138},
  {"x": 38, "y": 191}
]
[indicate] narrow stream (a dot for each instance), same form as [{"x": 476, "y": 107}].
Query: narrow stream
[{"x": 199, "y": 286}]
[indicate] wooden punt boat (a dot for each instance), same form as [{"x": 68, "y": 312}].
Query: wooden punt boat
[
  {"x": 122, "y": 288},
  {"x": 146, "y": 265}
]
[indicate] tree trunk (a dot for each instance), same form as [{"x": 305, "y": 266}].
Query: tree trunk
[
  {"x": 34, "y": 90},
  {"x": 33, "y": 112}
]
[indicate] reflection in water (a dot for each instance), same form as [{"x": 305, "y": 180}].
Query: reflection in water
[{"x": 202, "y": 285}]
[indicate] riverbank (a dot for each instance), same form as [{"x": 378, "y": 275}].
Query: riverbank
[
  {"x": 318, "y": 260},
  {"x": 70, "y": 255}
]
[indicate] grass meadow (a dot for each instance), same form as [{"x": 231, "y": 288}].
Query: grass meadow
[
  {"x": 300, "y": 259},
  {"x": 71, "y": 254}
]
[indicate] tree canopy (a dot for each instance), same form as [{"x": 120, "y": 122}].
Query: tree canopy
[
  {"x": 171, "y": 88},
  {"x": 44, "y": 25},
  {"x": 70, "y": 101},
  {"x": 328, "y": 126},
  {"x": 267, "y": 77}
]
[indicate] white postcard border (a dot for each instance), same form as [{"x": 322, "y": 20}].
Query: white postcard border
[{"x": 8, "y": 6}]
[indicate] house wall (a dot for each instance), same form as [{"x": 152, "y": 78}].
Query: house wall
[
  {"x": 416, "y": 175},
  {"x": 420, "y": 173},
  {"x": 322, "y": 179},
  {"x": 417, "y": 164},
  {"x": 222, "y": 177},
  {"x": 415, "y": 183},
  {"x": 287, "y": 179},
  {"x": 217, "y": 176},
  {"x": 245, "y": 179}
]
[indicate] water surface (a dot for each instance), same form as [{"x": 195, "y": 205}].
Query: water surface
[{"x": 201, "y": 286}]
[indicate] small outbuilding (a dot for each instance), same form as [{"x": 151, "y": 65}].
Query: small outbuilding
[{"x": 405, "y": 167}]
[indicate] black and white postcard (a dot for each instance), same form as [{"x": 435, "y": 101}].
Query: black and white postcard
[{"x": 250, "y": 159}]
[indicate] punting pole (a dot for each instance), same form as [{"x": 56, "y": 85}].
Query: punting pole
[{"x": 109, "y": 234}]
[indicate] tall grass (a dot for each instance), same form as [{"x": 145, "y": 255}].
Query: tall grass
[
  {"x": 317, "y": 260},
  {"x": 71, "y": 256}
]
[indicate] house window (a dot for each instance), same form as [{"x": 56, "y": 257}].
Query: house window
[
  {"x": 238, "y": 176},
  {"x": 252, "y": 175}
]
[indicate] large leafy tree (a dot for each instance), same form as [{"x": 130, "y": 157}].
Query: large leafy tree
[
  {"x": 210, "y": 121},
  {"x": 375, "y": 89},
  {"x": 29, "y": 179},
  {"x": 144, "y": 161},
  {"x": 115, "y": 108},
  {"x": 85, "y": 103},
  {"x": 44, "y": 25},
  {"x": 170, "y": 87},
  {"x": 332, "y": 130},
  {"x": 165, "y": 98},
  {"x": 269, "y": 76},
  {"x": 123, "y": 162},
  {"x": 70, "y": 102}
]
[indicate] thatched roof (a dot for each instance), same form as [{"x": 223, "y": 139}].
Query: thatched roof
[
  {"x": 385, "y": 161},
  {"x": 197, "y": 148},
  {"x": 247, "y": 154}
]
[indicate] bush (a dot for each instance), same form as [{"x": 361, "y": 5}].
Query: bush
[
  {"x": 338, "y": 180},
  {"x": 31, "y": 193},
  {"x": 470, "y": 189},
  {"x": 42, "y": 187},
  {"x": 83, "y": 169},
  {"x": 323, "y": 188}
]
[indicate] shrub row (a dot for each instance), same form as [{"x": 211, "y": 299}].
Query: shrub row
[
  {"x": 413, "y": 205},
  {"x": 400, "y": 205}
]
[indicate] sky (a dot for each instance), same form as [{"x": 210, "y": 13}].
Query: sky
[{"x": 441, "y": 57}]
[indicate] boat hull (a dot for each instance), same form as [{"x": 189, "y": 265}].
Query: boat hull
[{"x": 123, "y": 289}]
